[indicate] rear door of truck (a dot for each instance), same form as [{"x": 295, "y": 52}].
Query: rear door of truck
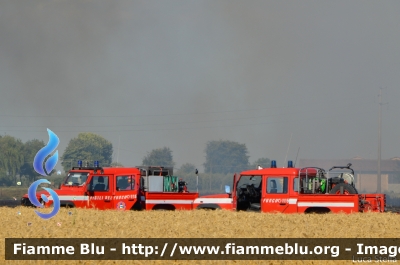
[
  {"x": 125, "y": 194},
  {"x": 275, "y": 196}
]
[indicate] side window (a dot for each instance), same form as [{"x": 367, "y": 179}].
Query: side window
[
  {"x": 277, "y": 185},
  {"x": 296, "y": 184},
  {"x": 125, "y": 183},
  {"x": 98, "y": 183}
]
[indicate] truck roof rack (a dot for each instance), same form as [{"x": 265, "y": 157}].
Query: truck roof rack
[
  {"x": 156, "y": 170},
  {"x": 90, "y": 168},
  {"x": 346, "y": 167}
]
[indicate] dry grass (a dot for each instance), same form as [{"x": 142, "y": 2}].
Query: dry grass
[{"x": 192, "y": 224}]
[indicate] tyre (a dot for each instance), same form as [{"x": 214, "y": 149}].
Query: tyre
[
  {"x": 318, "y": 210},
  {"x": 347, "y": 189},
  {"x": 163, "y": 207},
  {"x": 205, "y": 208}
]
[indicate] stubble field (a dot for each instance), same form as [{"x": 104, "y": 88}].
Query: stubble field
[{"x": 83, "y": 223}]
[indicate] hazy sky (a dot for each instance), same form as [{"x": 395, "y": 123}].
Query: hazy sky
[{"x": 148, "y": 74}]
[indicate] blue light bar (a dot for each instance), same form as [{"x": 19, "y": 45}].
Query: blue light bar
[
  {"x": 290, "y": 163},
  {"x": 79, "y": 163},
  {"x": 273, "y": 163},
  {"x": 96, "y": 163}
]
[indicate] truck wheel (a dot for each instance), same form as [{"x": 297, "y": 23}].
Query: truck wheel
[
  {"x": 318, "y": 210},
  {"x": 347, "y": 189},
  {"x": 210, "y": 208},
  {"x": 163, "y": 207}
]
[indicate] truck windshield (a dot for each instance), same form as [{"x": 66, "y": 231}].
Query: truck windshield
[{"x": 76, "y": 178}]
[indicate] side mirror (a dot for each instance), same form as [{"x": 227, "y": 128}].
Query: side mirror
[{"x": 227, "y": 189}]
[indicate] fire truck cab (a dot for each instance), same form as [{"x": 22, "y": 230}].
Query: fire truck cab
[
  {"x": 136, "y": 188},
  {"x": 302, "y": 190},
  {"x": 96, "y": 187}
]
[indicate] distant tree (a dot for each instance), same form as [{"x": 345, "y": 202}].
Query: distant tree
[
  {"x": 116, "y": 164},
  {"x": 187, "y": 172},
  {"x": 11, "y": 156},
  {"x": 87, "y": 147},
  {"x": 225, "y": 157},
  {"x": 159, "y": 157},
  {"x": 187, "y": 168},
  {"x": 30, "y": 150},
  {"x": 6, "y": 179},
  {"x": 263, "y": 162}
]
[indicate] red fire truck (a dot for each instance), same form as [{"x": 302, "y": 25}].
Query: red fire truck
[
  {"x": 298, "y": 190},
  {"x": 137, "y": 188},
  {"x": 286, "y": 190}
]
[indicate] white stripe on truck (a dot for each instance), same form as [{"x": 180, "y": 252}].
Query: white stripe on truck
[
  {"x": 326, "y": 204},
  {"x": 169, "y": 201},
  {"x": 71, "y": 198},
  {"x": 213, "y": 200},
  {"x": 198, "y": 200}
]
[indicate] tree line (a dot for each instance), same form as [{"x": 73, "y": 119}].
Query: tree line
[
  {"x": 223, "y": 158},
  {"x": 16, "y": 159}
]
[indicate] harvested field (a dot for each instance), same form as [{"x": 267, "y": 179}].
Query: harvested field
[{"x": 84, "y": 223}]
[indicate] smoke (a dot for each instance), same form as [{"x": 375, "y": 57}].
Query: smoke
[{"x": 149, "y": 74}]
